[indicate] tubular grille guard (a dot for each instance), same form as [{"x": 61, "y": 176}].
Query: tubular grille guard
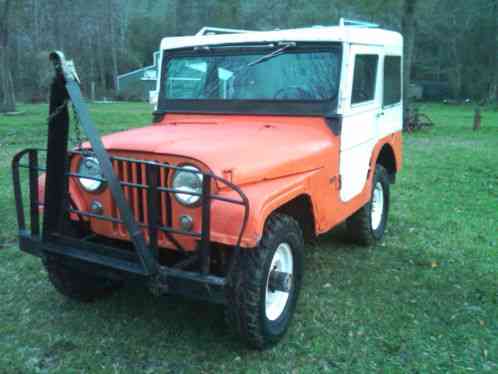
[{"x": 148, "y": 189}]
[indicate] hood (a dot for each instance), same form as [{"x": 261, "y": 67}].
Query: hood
[{"x": 250, "y": 149}]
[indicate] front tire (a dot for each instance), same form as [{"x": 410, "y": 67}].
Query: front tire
[
  {"x": 368, "y": 225},
  {"x": 260, "y": 313},
  {"x": 77, "y": 285}
]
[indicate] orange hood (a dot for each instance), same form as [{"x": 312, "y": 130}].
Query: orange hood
[{"x": 252, "y": 148}]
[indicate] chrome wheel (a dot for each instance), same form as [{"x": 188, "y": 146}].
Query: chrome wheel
[
  {"x": 377, "y": 206},
  {"x": 276, "y": 301}
]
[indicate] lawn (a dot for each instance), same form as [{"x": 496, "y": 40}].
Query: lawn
[{"x": 425, "y": 300}]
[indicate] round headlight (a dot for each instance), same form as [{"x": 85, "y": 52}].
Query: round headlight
[
  {"x": 90, "y": 167},
  {"x": 188, "y": 179}
]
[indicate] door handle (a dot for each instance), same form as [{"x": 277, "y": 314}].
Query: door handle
[{"x": 380, "y": 114}]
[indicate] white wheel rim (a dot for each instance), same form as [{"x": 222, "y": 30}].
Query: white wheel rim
[
  {"x": 276, "y": 301},
  {"x": 377, "y": 206}
]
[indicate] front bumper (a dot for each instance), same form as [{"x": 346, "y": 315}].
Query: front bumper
[{"x": 117, "y": 264}]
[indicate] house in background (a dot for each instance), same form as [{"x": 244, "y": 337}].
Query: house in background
[{"x": 140, "y": 84}]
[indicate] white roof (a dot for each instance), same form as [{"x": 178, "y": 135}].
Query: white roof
[{"x": 348, "y": 34}]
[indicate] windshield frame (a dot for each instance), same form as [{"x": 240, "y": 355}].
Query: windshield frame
[{"x": 262, "y": 107}]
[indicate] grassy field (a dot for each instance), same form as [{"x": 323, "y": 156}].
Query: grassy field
[{"x": 424, "y": 301}]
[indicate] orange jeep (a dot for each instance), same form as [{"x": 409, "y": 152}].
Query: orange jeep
[{"x": 261, "y": 141}]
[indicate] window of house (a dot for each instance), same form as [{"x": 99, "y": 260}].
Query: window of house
[
  {"x": 392, "y": 80},
  {"x": 364, "y": 80}
]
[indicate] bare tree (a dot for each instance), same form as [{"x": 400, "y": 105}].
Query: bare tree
[
  {"x": 113, "y": 41},
  {"x": 408, "y": 23},
  {"x": 8, "y": 99},
  {"x": 493, "y": 87},
  {"x": 455, "y": 48}
]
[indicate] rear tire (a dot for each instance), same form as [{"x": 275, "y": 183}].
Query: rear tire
[
  {"x": 260, "y": 314},
  {"x": 368, "y": 225},
  {"x": 77, "y": 285}
]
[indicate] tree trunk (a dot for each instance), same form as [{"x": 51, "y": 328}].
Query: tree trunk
[
  {"x": 408, "y": 24},
  {"x": 455, "y": 77},
  {"x": 477, "y": 119},
  {"x": 493, "y": 85},
  {"x": 191, "y": 16},
  {"x": 7, "y": 96},
  {"x": 113, "y": 46}
]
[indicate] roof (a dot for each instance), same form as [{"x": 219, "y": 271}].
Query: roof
[
  {"x": 349, "y": 34},
  {"x": 144, "y": 69}
]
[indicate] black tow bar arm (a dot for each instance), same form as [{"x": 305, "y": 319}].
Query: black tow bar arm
[{"x": 65, "y": 70}]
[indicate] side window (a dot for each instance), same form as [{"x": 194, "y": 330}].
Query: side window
[
  {"x": 364, "y": 79},
  {"x": 392, "y": 80}
]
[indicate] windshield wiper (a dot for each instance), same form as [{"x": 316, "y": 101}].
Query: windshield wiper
[
  {"x": 246, "y": 68},
  {"x": 276, "y": 53}
]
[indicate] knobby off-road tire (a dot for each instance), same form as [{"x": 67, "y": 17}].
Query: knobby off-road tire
[
  {"x": 77, "y": 285},
  {"x": 248, "y": 290},
  {"x": 368, "y": 225}
]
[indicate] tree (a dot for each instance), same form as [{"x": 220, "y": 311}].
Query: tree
[
  {"x": 408, "y": 29},
  {"x": 7, "y": 95},
  {"x": 493, "y": 86},
  {"x": 453, "y": 43}
]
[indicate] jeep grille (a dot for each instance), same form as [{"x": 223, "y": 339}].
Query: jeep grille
[{"x": 133, "y": 172}]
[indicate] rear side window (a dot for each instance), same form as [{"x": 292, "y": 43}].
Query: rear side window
[
  {"x": 364, "y": 80},
  {"x": 392, "y": 80}
]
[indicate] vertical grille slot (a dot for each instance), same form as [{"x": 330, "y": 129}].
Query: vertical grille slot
[
  {"x": 162, "y": 202},
  {"x": 139, "y": 214},
  {"x": 122, "y": 177},
  {"x": 144, "y": 211},
  {"x": 114, "y": 210},
  {"x": 134, "y": 191},
  {"x": 165, "y": 208},
  {"x": 125, "y": 176}
]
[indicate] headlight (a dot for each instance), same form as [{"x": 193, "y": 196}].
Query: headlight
[
  {"x": 188, "y": 181},
  {"x": 90, "y": 167}
]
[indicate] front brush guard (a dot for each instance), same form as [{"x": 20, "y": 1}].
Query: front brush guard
[{"x": 55, "y": 239}]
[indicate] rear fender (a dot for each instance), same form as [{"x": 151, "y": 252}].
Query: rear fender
[{"x": 395, "y": 143}]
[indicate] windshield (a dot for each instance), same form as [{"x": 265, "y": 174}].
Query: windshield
[{"x": 287, "y": 75}]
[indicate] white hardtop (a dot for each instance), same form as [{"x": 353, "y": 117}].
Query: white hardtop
[{"x": 344, "y": 34}]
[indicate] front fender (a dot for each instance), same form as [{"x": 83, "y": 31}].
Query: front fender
[
  {"x": 75, "y": 195},
  {"x": 264, "y": 198},
  {"x": 227, "y": 218}
]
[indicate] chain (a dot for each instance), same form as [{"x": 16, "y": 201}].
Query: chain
[
  {"x": 57, "y": 111},
  {"x": 77, "y": 133},
  {"x": 78, "y": 138},
  {"x": 77, "y": 130}
]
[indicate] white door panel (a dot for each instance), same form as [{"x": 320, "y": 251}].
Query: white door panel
[
  {"x": 391, "y": 120},
  {"x": 359, "y": 129}
]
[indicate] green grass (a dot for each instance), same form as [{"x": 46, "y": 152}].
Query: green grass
[{"x": 423, "y": 301}]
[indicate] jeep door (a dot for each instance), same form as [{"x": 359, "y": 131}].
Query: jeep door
[{"x": 361, "y": 107}]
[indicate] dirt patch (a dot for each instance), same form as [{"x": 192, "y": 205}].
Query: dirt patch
[
  {"x": 447, "y": 142},
  {"x": 55, "y": 352},
  {"x": 7, "y": 243}
]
